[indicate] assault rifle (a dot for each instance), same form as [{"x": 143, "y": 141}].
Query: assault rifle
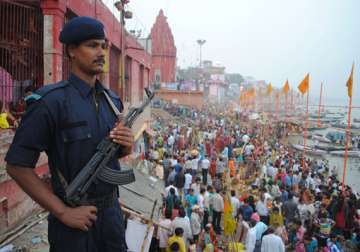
[{"x": 96, "y": 168}]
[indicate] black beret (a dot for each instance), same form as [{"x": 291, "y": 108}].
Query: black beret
[{"x": 80, "y": 29}]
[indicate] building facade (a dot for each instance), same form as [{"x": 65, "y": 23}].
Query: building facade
[{"x": 163, "y": 50}]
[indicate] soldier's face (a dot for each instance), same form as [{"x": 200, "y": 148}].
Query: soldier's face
[{"x": 89, "y": 56}]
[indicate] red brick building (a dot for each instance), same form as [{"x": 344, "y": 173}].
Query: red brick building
[
  {"x": 31, "y": 54},
  {"x": 163, "y": 51},
  {"x": 187, "y": 98}
]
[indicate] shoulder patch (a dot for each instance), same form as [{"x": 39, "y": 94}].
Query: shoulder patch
[
  {"x": 49, "y": 88},
  {"x": 33, "y": 96}
]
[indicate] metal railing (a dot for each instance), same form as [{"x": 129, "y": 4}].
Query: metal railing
[{"x": 21, "y": 51}]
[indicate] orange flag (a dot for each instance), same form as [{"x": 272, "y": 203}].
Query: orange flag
[
  {"x": 269, "y": 89},
  {"x": 349, "y": 83},
  {"x": 286, "y": 87},
  {"x": 304, "y": 85}
]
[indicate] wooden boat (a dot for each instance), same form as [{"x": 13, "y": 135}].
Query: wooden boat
[
  {"x": 313, "y": 126},
  {"x": 329, "y": 148},
  {"x": 355, "y": 154},
  {"x": 321, "y": 138},
  {"x": 344, "y": 126},
  {"x": 309, "y": 151}
]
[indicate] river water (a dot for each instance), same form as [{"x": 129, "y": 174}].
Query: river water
[{"x": 353, "y": 164}]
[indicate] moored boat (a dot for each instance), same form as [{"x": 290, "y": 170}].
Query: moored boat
[
  {"x": 309, "y": 151},
  {"x": 329, "y": 148},
  {"x": 342, "y": 153},
  {"x": 344, "y": 126},
  {"x": 321, "y": 138}
]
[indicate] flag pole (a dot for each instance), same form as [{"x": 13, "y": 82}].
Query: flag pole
[
  {"x": 306, "y": 128},
  {"x": 278, "y": 105},
  {"x": 286, "y": 107},
  {"x": 347, "y": 143},
  {"x": 349, "y": 85},
  {"x": 321, "y": 91}
]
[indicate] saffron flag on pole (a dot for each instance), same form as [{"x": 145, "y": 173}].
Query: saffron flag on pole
[
  {"x": 229, "y": 221},
  {"x": 269, "y": 89},
  {"x": 304, "y": 85},
  {"x": 349, "y": 83},
  {"x": 286, "y": 87}
]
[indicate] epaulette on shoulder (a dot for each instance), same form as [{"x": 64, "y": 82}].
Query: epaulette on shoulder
[
  {"x": 31, "y": 98},
  {"x": 41, "y": 92}
]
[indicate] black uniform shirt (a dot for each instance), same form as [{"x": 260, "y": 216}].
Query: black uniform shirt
[{"x": 67, "y": 121}]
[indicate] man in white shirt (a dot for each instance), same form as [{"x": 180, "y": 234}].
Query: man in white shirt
[
  {"x": 188, "y": 180},
  {"x": 235, "y": 203},
  {"x": 271, "y": 171},
  {"x": 196, "y": 186},
  {"x": 205, "y": 164},
  {"x": 296, "y": 167},
  {"x": 263, "y": 171},
  {"x": 183, "y": 222},
  {"x": 170, "y": 143},
  {"x": 310, "y": 182},
  {"x": 250, "y": 241},
  {"x": 201, "y": 199},
  {"x": 217, "y": 203},
  {"x": 167, "y": 189},
  {"x": 207, "y": 198},
  {"x": 195, "y": 221},
  {"x": 249, "y": 149},
  {"x": 164, "y": 230},
  {"x": 262, "y": 210},
  {"x": 271, "y": 243},
  {"x": 194, "y": 166}
]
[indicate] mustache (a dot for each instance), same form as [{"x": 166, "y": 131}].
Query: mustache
[{"x": 99, "y": 61}]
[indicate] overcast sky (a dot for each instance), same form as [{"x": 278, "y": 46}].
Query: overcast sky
[{"x": 271, "y": 40}]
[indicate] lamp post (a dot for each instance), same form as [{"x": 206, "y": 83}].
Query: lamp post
[
  {"x": 120, "y": 6},
  {"x": 201, "y": 42}
]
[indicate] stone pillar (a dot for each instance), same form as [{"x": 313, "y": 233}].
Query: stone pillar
[{"x": 53, "y": 50}]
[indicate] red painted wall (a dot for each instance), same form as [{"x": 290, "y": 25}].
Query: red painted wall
[
  {"x": 191, "y": 98},
  {"x": 163, "y": 50},
  {"x": 15, "y": 205},
  {"x": 96, "y": 9},
  {"x": 135, "y": 82}
]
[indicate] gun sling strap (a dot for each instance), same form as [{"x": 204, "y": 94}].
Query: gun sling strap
[{"x": 107, "y": 174}]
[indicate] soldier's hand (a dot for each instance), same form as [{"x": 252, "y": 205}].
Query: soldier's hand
[
  {"x": 123, "y": 136},
  {"x": 80, "y": 217}
]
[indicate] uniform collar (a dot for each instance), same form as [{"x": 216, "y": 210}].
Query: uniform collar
[{"x": 84, "y": 88}]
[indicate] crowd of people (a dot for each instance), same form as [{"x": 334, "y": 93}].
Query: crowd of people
[
  {"x": 10, "y": 113},
  {"x": 234, "y": 184}
]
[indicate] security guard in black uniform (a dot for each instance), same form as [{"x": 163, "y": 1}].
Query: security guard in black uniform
[{"x": 67, "y": 121}]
